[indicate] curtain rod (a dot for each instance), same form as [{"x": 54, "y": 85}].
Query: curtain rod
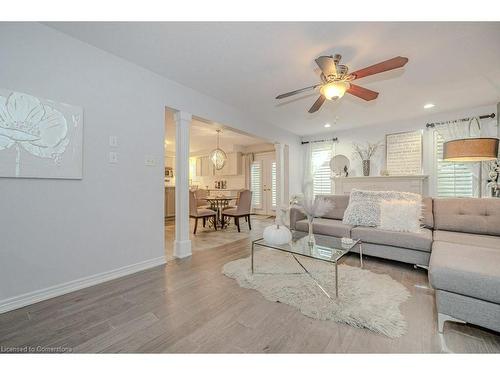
[
  {"x": 321, "y": 140},
  {"x": 433, "y": 124}
]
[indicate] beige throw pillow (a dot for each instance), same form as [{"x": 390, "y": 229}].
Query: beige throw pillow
[{"x": 400, "y": 215}]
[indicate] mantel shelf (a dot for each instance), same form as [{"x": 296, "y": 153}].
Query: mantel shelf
[
  {"x": 409, "y": 177},
  {"x": 411, "y": 183}
]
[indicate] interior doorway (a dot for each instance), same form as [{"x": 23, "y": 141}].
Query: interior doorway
[
  {"x": 263, "y": 183},
  {"x": 245, "y": 154}
]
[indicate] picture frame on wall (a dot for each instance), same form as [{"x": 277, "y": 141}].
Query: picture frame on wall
[
  {"x": 39, "y": 138},
  {"x": 404, "y": 153}
]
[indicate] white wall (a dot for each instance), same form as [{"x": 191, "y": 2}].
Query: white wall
[
  {"x": 377, "y": 132},
  {"x": 54, "y": 232}
]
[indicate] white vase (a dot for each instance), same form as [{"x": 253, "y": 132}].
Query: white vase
[{"x": 277, "y": 234}]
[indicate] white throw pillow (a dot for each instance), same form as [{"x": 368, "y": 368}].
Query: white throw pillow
[
  {"x": 364, "y": 205},
  {"x": 400, "y": 215},
  {"x": 362, "y": 213}
]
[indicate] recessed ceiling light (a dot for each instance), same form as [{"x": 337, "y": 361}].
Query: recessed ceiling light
[
  {"x": 327, "y": 126},
  {"x": 429, "y": 105}
]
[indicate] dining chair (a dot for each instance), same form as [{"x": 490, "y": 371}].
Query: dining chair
[
  {"x": 201, "y": 195},
  {"x": 242, "y": 210},
  {"x": 197, "y": 213},
  {"x": 237, "y": 201}
]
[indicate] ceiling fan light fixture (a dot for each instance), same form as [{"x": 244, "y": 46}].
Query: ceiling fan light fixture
[{"x": 334, "y": 90}]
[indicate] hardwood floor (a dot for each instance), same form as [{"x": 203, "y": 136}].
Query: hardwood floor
[{"x": 188, "y": 306}]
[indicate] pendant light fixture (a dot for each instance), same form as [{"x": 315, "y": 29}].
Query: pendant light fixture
[{"x": 218, "y": 156}]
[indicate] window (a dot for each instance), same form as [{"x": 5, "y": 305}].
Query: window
[
  {"x": 321, "y": 153},
  {"x": 273, "y": 184},
  {"x": 452, "y": 179},
  {"x": 256, "y": 183}
]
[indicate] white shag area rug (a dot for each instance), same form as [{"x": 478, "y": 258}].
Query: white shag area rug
[{"x": 366, "y": 299}]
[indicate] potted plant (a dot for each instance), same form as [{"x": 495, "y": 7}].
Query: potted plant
[{"x": 311, "y": 206}]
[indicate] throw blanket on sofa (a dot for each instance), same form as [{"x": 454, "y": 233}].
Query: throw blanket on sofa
[{"x": 364, "y": 206}]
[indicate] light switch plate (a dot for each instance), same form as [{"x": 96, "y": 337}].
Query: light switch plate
[
  {"x": 113, "y": 157},
  {"x": 113, "y": 141},
  {"x": 150, "y": 161}
]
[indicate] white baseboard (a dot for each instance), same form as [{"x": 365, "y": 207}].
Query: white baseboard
[{"x": 71, "y": 286}]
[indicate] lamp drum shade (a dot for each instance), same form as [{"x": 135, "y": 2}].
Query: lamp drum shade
[{"x": 471, "y": 149}]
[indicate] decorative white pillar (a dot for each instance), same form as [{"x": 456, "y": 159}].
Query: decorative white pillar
[
  {"x": 282, "y": 196},
  {"x": 182, "y": 243}
]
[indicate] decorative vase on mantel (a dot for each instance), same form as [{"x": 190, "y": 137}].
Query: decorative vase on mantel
[{"x": 366, "y": 167}]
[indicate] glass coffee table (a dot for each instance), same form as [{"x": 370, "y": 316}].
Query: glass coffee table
[{"x": 324, "y": 248}]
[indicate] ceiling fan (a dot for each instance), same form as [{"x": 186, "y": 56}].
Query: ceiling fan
[{"x": 336, "y": 79}]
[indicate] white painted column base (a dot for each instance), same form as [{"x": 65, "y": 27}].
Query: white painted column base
[
  {"x": 182, "y": 249},
  {"x": 443, "y": 318}
]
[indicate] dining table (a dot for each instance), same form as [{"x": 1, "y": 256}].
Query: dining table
[{"x": 218, "y": 204}]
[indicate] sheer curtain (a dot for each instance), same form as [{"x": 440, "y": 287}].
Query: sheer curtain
[{"x": 458, "y": 129}]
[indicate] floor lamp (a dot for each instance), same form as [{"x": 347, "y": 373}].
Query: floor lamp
[{"x": 472, "y": 150}]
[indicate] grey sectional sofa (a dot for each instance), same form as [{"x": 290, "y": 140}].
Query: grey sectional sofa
[{"x": 460, "y": 244}]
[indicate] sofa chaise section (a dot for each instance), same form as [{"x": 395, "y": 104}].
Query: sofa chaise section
[{"x": 465, "y": 261}]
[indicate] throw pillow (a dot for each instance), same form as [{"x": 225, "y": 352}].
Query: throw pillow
[
  {"x": 364, "y": 205},
  {"x": 362, "y": 213},
  {"x": 400, "y": 215}
]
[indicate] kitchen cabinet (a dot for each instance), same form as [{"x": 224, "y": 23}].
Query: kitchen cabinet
[
  {"x": 169, "y": 201},
  {"x": 204, "y": 167},
  {"x": 170, "y": 162}
]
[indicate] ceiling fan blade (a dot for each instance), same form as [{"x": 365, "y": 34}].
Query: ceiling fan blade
[
  {"x": 297, "y": 91},
  {"x": 327, "y": 65},
  {"x": 394, "y": 63},
  {"x": 317, "y": 104},
  {"x": 362, "y": 93}
]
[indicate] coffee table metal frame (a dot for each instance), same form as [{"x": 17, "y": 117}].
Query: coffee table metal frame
[{"x": 343, "y": 251}]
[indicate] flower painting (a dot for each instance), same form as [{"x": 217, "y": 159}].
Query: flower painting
[{"x": 39, "y": 138}]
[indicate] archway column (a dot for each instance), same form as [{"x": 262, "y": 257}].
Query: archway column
[
  {"x": 282, "y": 180},
  {"x": 182, "y": 243}
]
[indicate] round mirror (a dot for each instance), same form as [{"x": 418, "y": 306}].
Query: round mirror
[{"x": 339, "y": 165}]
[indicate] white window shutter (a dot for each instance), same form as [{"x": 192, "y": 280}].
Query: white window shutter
[
  {"x": 273, "y": 185},
  {"x": 256, "y": 184},
  {"x": 453, "y": 179},
  {"x": 321, "y": 154}
]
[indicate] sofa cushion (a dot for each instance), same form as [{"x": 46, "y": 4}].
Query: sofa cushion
[
  {"x": 339, "y": 204},
  {"x": 417, "y": 241},
  {"x": 427, "y": 215},
  {"x": 205, "y": 212},
  {"x": 470, "y": 215},
  {"x": 467, "y": 270},
  {"x": 467, "y": 239},
  {"x": 329, "y": 227}
]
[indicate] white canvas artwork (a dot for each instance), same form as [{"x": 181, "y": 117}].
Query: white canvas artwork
[
  {"x": 404, "y": 153},
  {"x": 39, "y": 138}
]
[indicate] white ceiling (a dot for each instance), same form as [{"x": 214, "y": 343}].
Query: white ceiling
[
  {"x": 203, "y": 137},
  {"x": 453, "y": 65}
]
